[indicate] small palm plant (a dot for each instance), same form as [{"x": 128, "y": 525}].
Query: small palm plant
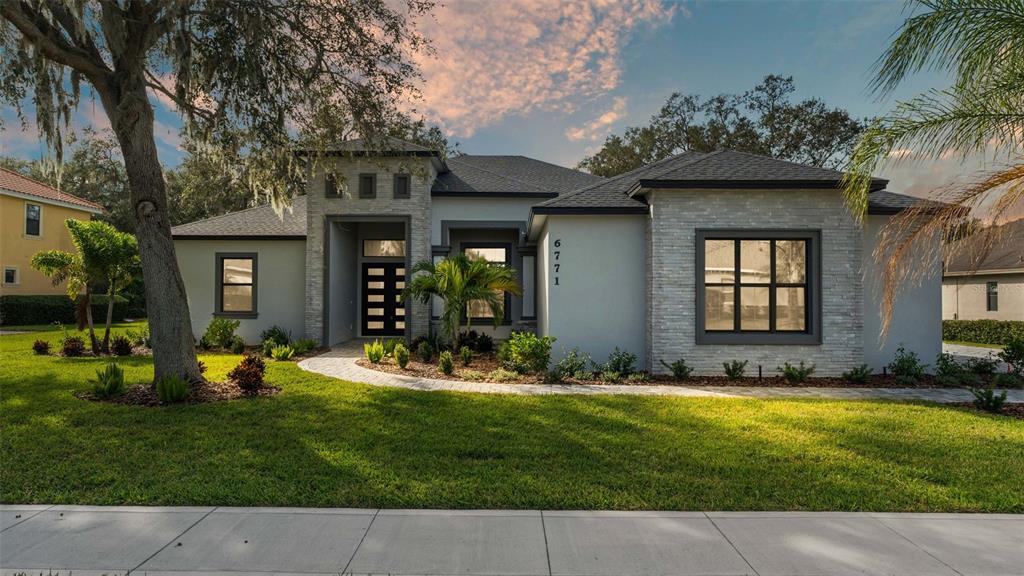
[{"x": 459, "y": 280}]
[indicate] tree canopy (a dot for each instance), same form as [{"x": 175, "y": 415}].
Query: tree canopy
[{"x": 763, "y": 120}]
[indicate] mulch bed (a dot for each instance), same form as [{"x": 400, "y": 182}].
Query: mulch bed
[
  {"x": 145, "y": 395},
  {"x": 1011, "y": 409}
]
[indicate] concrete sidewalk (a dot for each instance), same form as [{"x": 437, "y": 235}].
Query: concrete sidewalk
[{"x": 117, "y": 540}]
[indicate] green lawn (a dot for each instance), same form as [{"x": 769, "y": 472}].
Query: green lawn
[{"x": 323, "y": 442}]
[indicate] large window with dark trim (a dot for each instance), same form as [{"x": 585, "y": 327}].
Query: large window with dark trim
[
  {"x": 992, "y": 296},
  {"x": 497, "y": 254},
  {"x": 756, "y": 286},
  {"x": 367, "y": 185},
  {"x": 401, "y": 185},
  {"x": 33, "y": 218},
  {"x": 236, "y": 283}
]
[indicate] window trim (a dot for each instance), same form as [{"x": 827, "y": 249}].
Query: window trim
[
  {"x": 813, "y": 294},
  {"x": 408, "y": 186},
  {"x": 25, "y": 220},
  {"x": 373, "y": 186},
  {"x": 992, "y": 296},
  {"x": 362, "y": 248},
  {"x": 219, "y": 278},
  {"x": 17, "y": 276},
  {"x": 507, "y": 308},
  {"x": 331, "y": 188}
]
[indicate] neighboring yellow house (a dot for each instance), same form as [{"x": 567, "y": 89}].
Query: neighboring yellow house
[{"x": 32, "y": 217}]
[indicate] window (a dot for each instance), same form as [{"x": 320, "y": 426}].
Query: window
[
  {"x": 496, "y": 254},
  {"x": 992, "y": 296},
  {"x": 331, "y": 185},
  {"x": 384, "y": 248},
  {"x": 11, "y": 276},
  {"x": 757, "y": 287},
  {"x": 236, "y": 284},
  {"x": 367, "y": 185},
  {"x": 33, "y": 217},
  {"x": 401, "y": 186}
]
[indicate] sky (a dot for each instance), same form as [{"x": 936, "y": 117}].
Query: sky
[{"x": 551, "y": 80}]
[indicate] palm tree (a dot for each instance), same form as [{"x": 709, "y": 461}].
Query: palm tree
[
  {"x": 981, "y": 44},
  {"x": 459, "y": 280}
]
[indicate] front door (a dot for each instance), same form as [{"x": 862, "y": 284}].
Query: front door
[{"x": 383, "y": 311}]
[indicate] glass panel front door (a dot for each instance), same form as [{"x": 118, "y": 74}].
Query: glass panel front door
[{"x": 383, "y": 310}]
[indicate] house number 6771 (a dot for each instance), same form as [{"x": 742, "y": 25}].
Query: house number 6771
[{"x": 557, "y": 255}]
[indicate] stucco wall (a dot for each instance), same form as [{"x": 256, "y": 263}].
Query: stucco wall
[
  {"x": 677, "y": 214},
  {"x": 280, "y": 283},
  {"x": 917, "y": 315},
  {"x": 598, "y": 301},
  {"x": 485, "y": 209},
  {"x": 964, "y": 297}
]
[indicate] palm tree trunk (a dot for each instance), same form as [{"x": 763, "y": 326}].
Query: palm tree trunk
[
  {"x": 110, "y": 318},
  {"x": 88, "y": 322}
]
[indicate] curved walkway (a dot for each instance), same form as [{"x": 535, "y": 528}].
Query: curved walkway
[{"x": 341, "y": 363}]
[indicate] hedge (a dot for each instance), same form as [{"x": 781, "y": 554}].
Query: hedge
[
  {"x": 26, "y": 310},
  {"x": 982, "y": 331}
]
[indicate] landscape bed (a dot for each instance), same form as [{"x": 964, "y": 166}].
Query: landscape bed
[{"x": 326, "y": 442}]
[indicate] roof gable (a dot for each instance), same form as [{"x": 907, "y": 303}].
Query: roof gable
[
  {"x": 256, "y": 222},
  {"x": 12, "y": 181},
  {"x": 508, "y": 175}
]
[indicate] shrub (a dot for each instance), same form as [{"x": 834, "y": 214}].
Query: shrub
[
  {"x": 906, "y": 367},
  {"x": 18, "y": 310},
  {"x": 277, "y": 335},
  {"x": 621, "y": 361},
  {"x": 1013, "y": 354},
  {"x": 735, "y": 369},
  {"x": 987, "y": 400},
  {"x": 572, "y": 362},
  {"x": 248, "y": 375},
  {"x": 203, "y": 343},
  {"x": 638, "y": 377},
  {"x": 484, "y": 343},
  {"x": 445, "y": 363},
  {"x": 401, "y": 356},
  {"x": 552, "y": 377},
  {"x": 466, "y": 355},
  {"x": 390, "y": 344},
  {"x": 425, "y": 351},
  {"x": 680, "y": 370},
  {"x": 41, "y": 347},
  {"x": 202, "y": 366},
  {"x": 525, "y": 352},
  {"x": 304, "y": 345},
  {"x": 983, "y": 366},
  {"x": 983, "y": 331},
  {"x": 583, "y": 375},
  {"x": 221, "y": 332},
  {"x": 467, "y": 340},
  {"x": 282, "y": 352},
  {"x": 609, "y": 376},
  {"x": 121, "y": 346},
  {"x": 139, "y": 337},
  {"x": 109, "y": 381},
  {"x": 374, "y": 351},
  {"x": 171, "y": 389},
  {"x": 796, "y": 374},
  {"x": 237, "y": 345},
  {"x": 472, "y": 375},
  {"x": 1008, "y": 380},
  {"x": 948, "y": 372},
  {"x": 858, "y": 374},
  {"x": 72, "y": 346},
  {"x": 502, "y": 375}
]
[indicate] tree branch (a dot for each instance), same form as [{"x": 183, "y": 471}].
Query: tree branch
[{"x": 37, "y": 29}]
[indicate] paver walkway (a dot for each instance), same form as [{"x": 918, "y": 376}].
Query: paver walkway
[
  {"x": 341, "y": 363},
  {"x": 963, "y": 353},
  {"x": 208, "y": 540}
]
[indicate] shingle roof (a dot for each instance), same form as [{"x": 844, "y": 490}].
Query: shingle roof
[
  {"x": 1006, "y": 254},
  {"x": 471, "y": 174},
  {"x": 885, "y": 202},
  {"x": 385, "y": 145},
  {"x": 15, "y": 182},
  {"x": 257, "y": 222}
]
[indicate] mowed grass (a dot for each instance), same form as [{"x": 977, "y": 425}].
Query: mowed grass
[{"x": 324, "y": 442}]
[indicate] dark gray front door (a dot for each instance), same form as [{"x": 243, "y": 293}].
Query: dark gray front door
[{"x": 383, "y": 311}]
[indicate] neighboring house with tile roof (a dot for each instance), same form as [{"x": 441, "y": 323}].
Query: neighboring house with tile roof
[
  {"x": 980, "y": 284},
  {"x": 32, "y": 216},
  {"x": 709, "y": 257}
]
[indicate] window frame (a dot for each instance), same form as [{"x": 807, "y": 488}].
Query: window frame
[
  {"x": 219, "y": 259},
  {"x": 507, "y": 307},
  {"x": 17, "y": 276},
  {"x": 992, "y": 296},
  {"x": 39, "y": 231},
  {"x": 362, "y": 248},
  {"x": 373, "y": 186},
  {"x": 331, "y": 188},
  {"x": 812, "y": 297},
  {"x": 408, "y": 186}
]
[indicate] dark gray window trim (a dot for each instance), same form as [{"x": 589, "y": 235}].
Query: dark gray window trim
[
  {"x": 814, "y": 291},
  {"x": 992, "y": 296},
  {"x": 408, "y": 186},
  {"x": 448, "y": 225},
  {"x": 38, "y": 221},
  {"x": 373, "y": 186},
  {"x": 219, "y": 258},
  {"x": 362, "y": 249},
  {"x": 507, "y": 308},
  {"x": 532, "y": 254}
]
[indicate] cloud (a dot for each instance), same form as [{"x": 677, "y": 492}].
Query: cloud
[
  {"x": 599, "y": 126},
  {"x": 496, "y": 59}
]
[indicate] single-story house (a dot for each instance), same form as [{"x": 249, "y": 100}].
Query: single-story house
[
  {"x": 979, "y": 284},
  {"x": 710, "y": 257}
]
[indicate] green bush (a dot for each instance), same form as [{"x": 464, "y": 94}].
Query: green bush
[
  {"x": 796, "y": 374},
  {"x": 139, "y": 337},
  {"x": 109, "y": 381},
  {"x": 17, "y": 310},
  {"x": 282, "y": 352},
  {"x": 425, "y": 351},
  {"x": 390, "y": 344},
  {"x": 41, "y": 347},
  {"x": 1008, "y": 380},
  {"x": 638, "y": 378},
  {"x": 858, "y": 374},
  {"x": 248, "y": 375},
  {"x": 72, "y": 346},
  {"x": 620, "y": 361},
  {"x": 484, "y": 343},
  {"x": 502, "y": 375},
  {"x": 609, "y": 376},
  {"x": 735, "y": 369},
  {"x": 525, "y": 352},
  {"x": 304, "y": 345},
  {"x": 121, "y": 346},
  {"x": 680, "y": 370},
  {"x": 983, "y": 366},
  {"x": 171, "y": 389},
  {"x": 445, "y": 363},
  {"x": 906, "y": 367},
  {"x": 374, "y": 351},
  {"x": 1013, "y": 355},
  {"x": 401, "y": 356},
  {"x": 573, "y": 362},
  {"x": 279, "y": 336},
  {"x": 986, "y": 399},
  {"x": 237, "y": 345},
  {"x": 466, "y": 355},
  {"x": 983, "y": 331},
  {"x": 472, "y": 375},
  {"x": 221, "y": 332},
  {"x": 950, "y": 373}
]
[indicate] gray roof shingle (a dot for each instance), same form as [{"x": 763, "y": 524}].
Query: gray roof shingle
[
  {"x": 1007, "y": 252},
  {"x": 472, "y": 174},
  {"x": 256, "y": 222}
]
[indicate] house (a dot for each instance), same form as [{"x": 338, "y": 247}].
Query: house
[
  {"x": 980, "y": 284},
  {"x": 711, "y": 257},
  {"x": 32, "y": 217}
]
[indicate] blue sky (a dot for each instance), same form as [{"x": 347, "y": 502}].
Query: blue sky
[{"x": 552, "y": 80}]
